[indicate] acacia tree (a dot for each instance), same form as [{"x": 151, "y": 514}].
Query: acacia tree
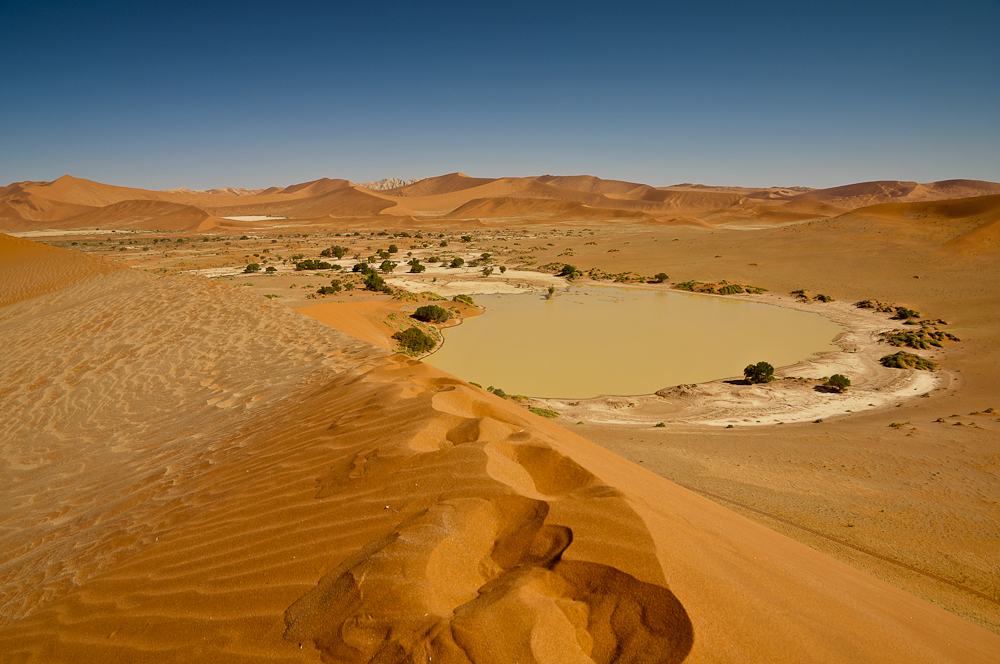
[
  {"x": 838, "y": 382},
  {"x": 762, "y": 372}
]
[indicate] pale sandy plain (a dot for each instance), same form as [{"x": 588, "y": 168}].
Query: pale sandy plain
[{"x": 194, "y": 472}]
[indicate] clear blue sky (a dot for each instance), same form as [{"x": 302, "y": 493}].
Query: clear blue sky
[{"x": 255, "y": 94}]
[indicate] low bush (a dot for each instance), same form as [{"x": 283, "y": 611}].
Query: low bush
[
  {"x": 762, "y": 372},
  {"x": 431, "y": 313},
  {"x": 823, "y": 298},
  {"x": 465, "y": 299},
  {"x": 251, "y": 268},
  {"x": 904, "y": 360},
  {"x": 838, "y": 382},
  {"x": 310, "y": 264},
  {"x": 544, "y": 412},
  {"x": 414, "y": 341}
]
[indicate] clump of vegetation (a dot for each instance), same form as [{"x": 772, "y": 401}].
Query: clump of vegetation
[
  {"x": 902, "y": 313},
  {"x": 457, "y": 262},
  {"x": 431, "y": 313},
  {"x": 311, "y": 264},
  {"x": 730, "y": 289},
  {"x": 251, "y": 268},
  {"x": 414, "y": 341},
  {"x": 551, "y": 292},
  {"x": 569, "y": 271},
  {"x": 800, "y": 293},
  {"x": 659, "y": 278},
  {"x": 874, "y": 304},
  {"x": 271, "y": 269},
  {"x": 335, "y": 251},
  {"x": 659, "y": 425},
  {"x": 823, "y": 298},
  {"x": 335, "y": 287},
  {"x": 897, "y": 425},
  {"x": 904, "y": 360},
  {"x": 374, "y": 282},
  {"x": 416, "y": 267},
  {"x": 544, "y": 412},
  {"x": 922, "y": 338},
  {"x": 762, "y": 372},
  {"x": 465, "y": 299},
  {"x": 497, "y": 391},
  {"x": 687, "y": 285},
  {"x": 838, "y": 382}
]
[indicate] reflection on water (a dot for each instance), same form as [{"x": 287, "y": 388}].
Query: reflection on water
[{"x": 599, "y": 340}]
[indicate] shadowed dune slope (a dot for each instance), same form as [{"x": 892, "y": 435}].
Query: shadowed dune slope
[
  {"x": 148, "y": 215},
  {"x": 193, "y": 473},
  {"x": 536, "y": 208}
]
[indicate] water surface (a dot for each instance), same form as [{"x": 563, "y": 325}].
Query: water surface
[{"x": 599, "y": 340}]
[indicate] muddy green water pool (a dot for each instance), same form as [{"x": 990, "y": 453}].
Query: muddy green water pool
[{"x": 596, "y": 340}]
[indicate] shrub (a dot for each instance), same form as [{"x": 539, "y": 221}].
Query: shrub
[
  {"x": 251, "y": 268},
  {"x": 544, "y": 412},
  {"x": 271, "y": 269},
  {"x": 823, "y": 298},
  {"x": 465, "y": 299},
  {"x": 659, "y": 424},
  {"x": 497, "y": 391},
  {"x": 487, "y": 271},
  {"x": 388, "y": 266},
  {"x": 363, "y": 268},
  {"x": 569, "y": 271},
  {"x": 443, "y": 243},
  {"x": 762, "y": 372},
  {"x": 903, "y": 312},
  {"x": 431, "y": 313},
  {"x": 416, "y": 267},
  {"x": 838, "y": 382},
  {"x": 335, "y": 251},
  {"x": 457, "y": 262},
  {"x": 466, "y": 238},
  {"x": 730, "y": 289},
  {"x": 503, "y": 268},
  {"x": 374, "y": 282},
  {"x": 686, "y": 285},
  {"x": 801, "y": 294},
  {"x": 659, "y": 278},
  {"x": 393, "y": 249},
  {"x": 414, "y": 341},
  {"x": 904, "y": 360},
  {"x": 310, "y": 264}
]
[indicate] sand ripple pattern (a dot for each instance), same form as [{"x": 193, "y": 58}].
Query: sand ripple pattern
[{"x": 116, "y": 390}]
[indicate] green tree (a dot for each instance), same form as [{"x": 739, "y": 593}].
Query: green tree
[
  {"x": 393, "y": 249},
  {"x": 431, "y": 313},
  {"x": 414, "y": 341},
  {"x": 457, "y": 262},
  {"x": 838, "y": 382},
  {"x": 569, "y": 271},
  {"x": 271, "y": 269},
  {"x": 388, "y": 266},
  {"x": 660, "y": 277},
  {"x": 374, "y": 282},
  {"x": 487, "y": 271},
  {"x": 251, "y": 268},
  {"x": 762, "y": 372}
]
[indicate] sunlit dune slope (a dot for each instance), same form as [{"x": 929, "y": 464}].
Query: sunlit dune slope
[
  {"x": 509, "y": 207},
  {"x": 969, "y": 225},
  {"x": 193, "y": 473},
  {"x": 28, "y": 269},
  {"x": 343, "y": 201}
]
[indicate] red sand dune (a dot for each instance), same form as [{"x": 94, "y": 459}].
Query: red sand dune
[
  {"x": 195, "y": 473},
  {"x": 147, "y": 215}
]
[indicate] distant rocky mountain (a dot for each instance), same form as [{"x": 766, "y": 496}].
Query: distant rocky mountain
[
  {"x": 388, "y": 183},
  {"x": 232, "y": 191}
]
